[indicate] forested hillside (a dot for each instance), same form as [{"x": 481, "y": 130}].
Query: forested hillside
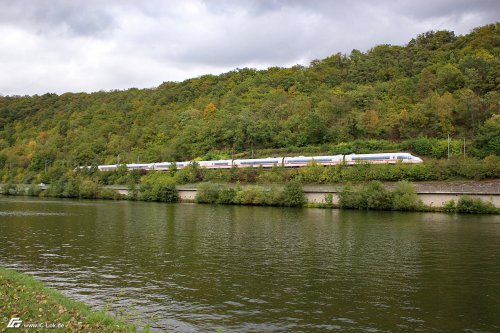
[{"x": 390, "y": 97}]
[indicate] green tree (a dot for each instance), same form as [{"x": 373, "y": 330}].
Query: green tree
[
  {"x": 293, "y": 195},
  {"x": 488, "y": 137},
  {"x": 449, "y": 78}
]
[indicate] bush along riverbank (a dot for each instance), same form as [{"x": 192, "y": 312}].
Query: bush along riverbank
[
  {"x": 375, "y": 196},
  {"x": 469, "y": 205},
  {"x": 29, "y": 305},
  {"x": 162, "y": 187},
  {"x": 291, "y": 196},
  {"x": 370, "y": 196}
]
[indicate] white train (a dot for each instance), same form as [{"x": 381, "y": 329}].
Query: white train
[{"x": 269, "y": 162}]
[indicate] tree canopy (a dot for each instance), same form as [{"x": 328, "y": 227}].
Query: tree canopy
[{"x": 437, "y": 85}]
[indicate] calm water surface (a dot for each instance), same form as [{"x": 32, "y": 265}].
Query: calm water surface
[{"x": 190, "y": 268}]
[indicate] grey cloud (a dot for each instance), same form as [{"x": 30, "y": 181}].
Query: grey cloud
[
  {"x": 421, "y": 9},
  {"x": 60, "y": 16},
  {"x": 425, "y": 9},
  {"x": 108, "y": 44}
]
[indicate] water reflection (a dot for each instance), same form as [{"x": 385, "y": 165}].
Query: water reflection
[{"x": 192, "y": 267}]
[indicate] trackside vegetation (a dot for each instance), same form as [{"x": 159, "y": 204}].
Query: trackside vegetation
[{"x": 28, "y": 299}]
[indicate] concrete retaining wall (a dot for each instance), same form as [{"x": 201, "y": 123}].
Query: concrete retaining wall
[
  {"x": 430, "y": 199},
  {"x": 317, "y": 195},
  {"x": 437, "y": 199}
]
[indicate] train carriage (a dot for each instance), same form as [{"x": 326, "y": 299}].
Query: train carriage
[
  {"x": 269, "y": 162},
  {"x": 299, "y": 161},
  {"x": 218, "y": 164}
]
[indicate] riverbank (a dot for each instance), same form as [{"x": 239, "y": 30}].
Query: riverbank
[
  {"x": 466, "y": 196},
  {"x": 27, "y": 303}
]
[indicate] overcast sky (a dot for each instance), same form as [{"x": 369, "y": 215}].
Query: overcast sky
[{"x": 90, "y": 45}]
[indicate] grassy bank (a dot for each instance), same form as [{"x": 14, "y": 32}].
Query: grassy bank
[{"x": 29, "y": 300}]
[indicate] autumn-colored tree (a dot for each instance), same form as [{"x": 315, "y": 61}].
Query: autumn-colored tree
[{"x": 209, "y": 111}]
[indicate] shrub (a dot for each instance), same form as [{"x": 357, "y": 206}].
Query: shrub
[
  {"x": 450, "y": 207},
  {"x": 172, "y": 169},
  {"x": 275, "y": 197},
  {"x": 34, "y": 190},
  {"x": 312, "y": 173},
  {"x": 357, "y": 173},
  {"x": 56, "y": 189},
  {"x": 109, "y": 194},
  {"x": 207, "y": 193},
  {"x": 352, "y": 198},
  {"x": 185, "y": 176},
  {"x": 157, "y": 177},
  {"x": 146, "y": 192},
  {"x": 492, "y": 166},
  {"x": 251, "y": 195},
  {"x": 469, "y": 205},
  {"x": 488, "y": 139},
  {"x": 217, "y": 175},
  {"x": 165, "y": 193},
  {"x": 89, "y": 189},
  {"x": 329, "y": 199},
  {"x": 275, "y": 175},
  {"x": 377, "y": 196},
  {"x": 10, "y": 189},
  {"x": 133, "y": 192},
  {"x": 293, "y": 195},
  {"x": 405, "y": 197},
  {"x": 333, "y": 173},
  {"x": 158, "y": 192},
  {"x": 258, "y": 197},
  {"x": 419, "y": 172},
  {"x": 134, "y": 176},
  {"x": 247, "y": 175},
  {"x": 226, "y": 196},
  {"x": 71, "y": 189},
  {"x": 189, "y": 174}
]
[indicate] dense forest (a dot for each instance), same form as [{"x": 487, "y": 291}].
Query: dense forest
[{"x": 389, "y": 98}]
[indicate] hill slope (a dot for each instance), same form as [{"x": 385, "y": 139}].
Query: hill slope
[{"x": 438, "y": 84}]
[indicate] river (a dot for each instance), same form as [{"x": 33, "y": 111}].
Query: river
[{"x": 191, "y": 268}]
